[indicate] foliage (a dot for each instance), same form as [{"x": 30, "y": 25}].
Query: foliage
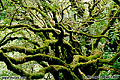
[{"x": 60, "y": 39}]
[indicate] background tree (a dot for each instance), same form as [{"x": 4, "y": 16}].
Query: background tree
[{"x": 65, "y": 39}]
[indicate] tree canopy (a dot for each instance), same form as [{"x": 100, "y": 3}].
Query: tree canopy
[{"x": 65, "y": 39}]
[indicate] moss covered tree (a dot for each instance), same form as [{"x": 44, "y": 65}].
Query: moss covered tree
[{"x": 70, "y": 39}]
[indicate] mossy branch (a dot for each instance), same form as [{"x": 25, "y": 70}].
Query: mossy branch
[
  {"x": 18, "y": 70},
  {"x": 62, "y": 13},
  {"x": 72, "y": 50},
  {"x": 8, "y": 35},
  {"x": 83, "y": 33},
  {"x": 24, "y": 50},
  {"x": 37, "y": 9},
  {"x": 24, "y": 19},
  {"x": 98, "y": 60},
  {"x": 14, "y": 38},
  {"x": 54, "y": 31},
  {"x": 68, "y": 74},
  {"x": 79, "y": 58},
  {"x": 110, "y": 22},
  {"x": 38, "y": 57}
]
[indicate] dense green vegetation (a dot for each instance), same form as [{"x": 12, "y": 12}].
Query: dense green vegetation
[{"x": 60, "y": 39}]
